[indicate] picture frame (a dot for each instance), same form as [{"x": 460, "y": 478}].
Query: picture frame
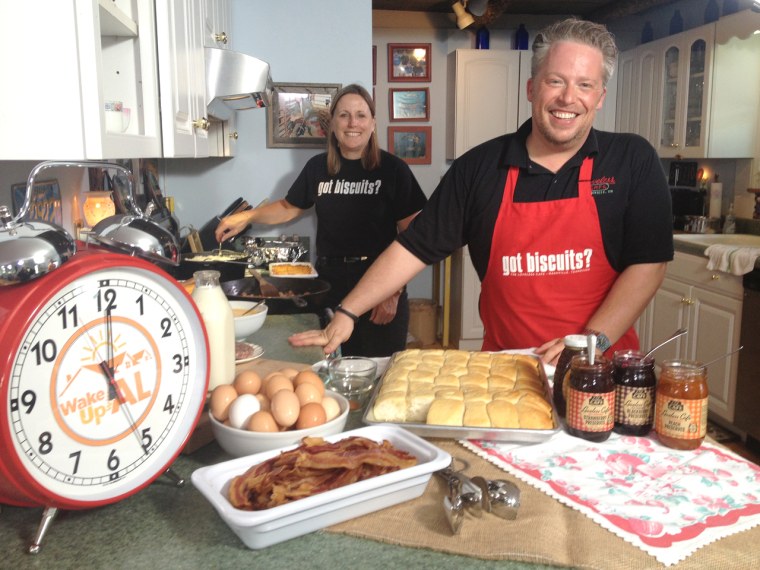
[
  {"x": 409, "y": 62},
  {"x": 409, "y": 104},
  {"x": 299, "y": 114},
  {"x": 45, "y": 204},
  {"x": 374, "y": 65},
  {"x": 412, "y": 144}
]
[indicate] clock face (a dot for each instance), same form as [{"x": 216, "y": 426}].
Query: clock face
[{"x": 106, "y": 384}]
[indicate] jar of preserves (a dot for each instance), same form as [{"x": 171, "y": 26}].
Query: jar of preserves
[
  {"x": 590, "y": 398},
  {"x": 681, "y": 404},
  {"x": 575, "y": 344},
  {"x": 635, "y": 385}
]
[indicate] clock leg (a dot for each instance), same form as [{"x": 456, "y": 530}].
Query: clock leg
[
  {"x": 171, "y": 474},
  {"x": 47, "y": 519}
]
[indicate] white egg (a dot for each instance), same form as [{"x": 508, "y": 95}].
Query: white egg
[{"x": 242, "y": 408}]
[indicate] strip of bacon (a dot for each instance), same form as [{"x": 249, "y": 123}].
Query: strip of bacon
[{"x": 314, "y": 467}]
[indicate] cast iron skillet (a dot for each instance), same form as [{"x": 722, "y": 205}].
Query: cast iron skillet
[{"x": 297, "y": 295}]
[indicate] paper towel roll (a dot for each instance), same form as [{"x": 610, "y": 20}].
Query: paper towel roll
[{"x": 716, "y": 199}]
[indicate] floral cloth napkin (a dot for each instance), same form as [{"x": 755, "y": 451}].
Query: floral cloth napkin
[{"x": 669, "y": 503}]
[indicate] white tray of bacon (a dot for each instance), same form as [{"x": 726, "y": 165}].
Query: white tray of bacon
[{"x": 259, "y": 529}]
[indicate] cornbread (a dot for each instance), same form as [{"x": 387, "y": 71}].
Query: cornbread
[{"x": 460, "y": 388}]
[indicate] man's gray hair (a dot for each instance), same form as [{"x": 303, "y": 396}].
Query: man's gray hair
[{"x": 578, "y": 31}]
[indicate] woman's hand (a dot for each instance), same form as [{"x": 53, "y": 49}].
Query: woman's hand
[
  {"x": 385, "y": 312},
  {"x": 231, "y": 226},
  {"x": 550, "y": 351},
  {"x": 337, "y": 331}
]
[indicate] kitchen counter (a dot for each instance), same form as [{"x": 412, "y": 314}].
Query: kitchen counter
[
  {"x": 696, "y": 244},
  {"x": 172, "y": 527}
]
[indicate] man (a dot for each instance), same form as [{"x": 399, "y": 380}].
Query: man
[{"x": 569, "y": 228}]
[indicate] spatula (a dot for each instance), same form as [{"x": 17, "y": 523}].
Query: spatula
[{"x": 267, "y": 288}]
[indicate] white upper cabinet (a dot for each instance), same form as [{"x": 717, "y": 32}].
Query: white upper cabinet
[{"x": 60, "y": 70}]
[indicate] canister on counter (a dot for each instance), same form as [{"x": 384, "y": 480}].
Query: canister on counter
[
  {"x": 635, "y": 385},
  {"x": 590, "y": 398},
  {"x": 681, "y": 404},
  {"x": 575, "y": 344}
]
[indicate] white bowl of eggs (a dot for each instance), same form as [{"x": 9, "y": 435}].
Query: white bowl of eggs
[
  {"x": 255, "y": 414},
  {"x": 247, "y": 323}
]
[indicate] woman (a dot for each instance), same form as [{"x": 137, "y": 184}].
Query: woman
[{"x": 362, "y": 196}]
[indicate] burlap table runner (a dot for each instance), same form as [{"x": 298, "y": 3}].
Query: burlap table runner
[{"x": 545, "y": 532}]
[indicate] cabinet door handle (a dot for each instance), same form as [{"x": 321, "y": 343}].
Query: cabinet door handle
[
  {"x": 202, "y": 123},
  {"x": 234, "y": 135},
  {"x": 222, "y": 37},
  {"x": 687, "y": 301},
  {"x": 714, "y": 276}
]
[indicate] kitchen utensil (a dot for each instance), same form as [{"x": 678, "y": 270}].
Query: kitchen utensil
[
  {"x": 591, "y": 347},
  {"x": 253, "y": 308},
  {"x": 674, "y": 336},
  {"x": 462, "y": 494},
  {"x": 296, "y": 295},
  {"x": 499, "y": 497},
  {"x": 267, "y": 288},
  {"x": 714, "y": 360}
]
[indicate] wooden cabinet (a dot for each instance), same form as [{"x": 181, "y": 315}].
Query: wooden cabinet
[
  {"x": 708, "y": 304},
  {"x": 61, "y": 69},
  {"x": 466, "y": 326},
  {"x": 484, "y": 89},
  {"x": 694, "y": 94}
]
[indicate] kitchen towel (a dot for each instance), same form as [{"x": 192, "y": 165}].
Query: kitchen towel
[
  {"x": 732, "y": 259},
  {"x": 666, "y": 502}
]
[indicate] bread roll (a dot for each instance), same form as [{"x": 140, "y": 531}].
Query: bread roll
[
  {"x": 446, "y": 412},
  {"x": 446, "y": 380},
  {"x": 503, "y": 414},
  {"x": 418, "y": 406},
  {"x": 449, "y": 393},
  {"x": 531, "y": 418},
  {"x": 475, "y": 415},
  {"x": 390, "y": 407}
]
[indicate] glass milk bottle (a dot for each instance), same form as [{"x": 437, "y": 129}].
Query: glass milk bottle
[{"x": 217, "y": 315}]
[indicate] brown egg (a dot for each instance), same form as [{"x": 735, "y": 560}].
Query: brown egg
[
  {"x": 308, "y": 393},
  {"x": 311, "y": 415},
  {"x": 247, "y": 382},
  {"x": 331, "y": 406},
  {"x": 285, "y": 408},
  {"x": 263, "y": 421},
  {"x": 263, "y": 402},
  {"x": 220, "y": 400},
  {"x": 289, "y": 372},
  {"x": 310, "y": 377},
  {"x": 277, "y": 383}
]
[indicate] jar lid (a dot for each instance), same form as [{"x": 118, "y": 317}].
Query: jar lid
[{"x": 576, "y": 341}]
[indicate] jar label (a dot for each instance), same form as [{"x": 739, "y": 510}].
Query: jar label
[
  {"x": 682, "y": 419},
  {"x": 634, "y": 405},
  {"x": 590, "y": 411}
]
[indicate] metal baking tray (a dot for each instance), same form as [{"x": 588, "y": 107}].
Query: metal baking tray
[{"x": 511, "y": 435}]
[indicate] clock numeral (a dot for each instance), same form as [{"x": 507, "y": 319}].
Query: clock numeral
[
  {"x": 169, "y": 404},
  {"x": 113, "y": 461},
  {"x": 147, "y": 440},
  {"x": 180, "y": 363},
  {"x": 45, "y": 443},
  {"x": 47, "y": 351},
  {"x": 75, "y": 456},
  {"x": 64, "y": 313},
  {"x": 140, "y": 303},
  {"x": 166, "y": 325},
  {"x": 107, "y": 298},
  {"x": 29, "y": 399}
]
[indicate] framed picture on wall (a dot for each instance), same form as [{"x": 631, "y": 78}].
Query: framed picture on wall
[
  {"x": 409, "y": 104},
  {"x": 300, "y": 114},
  {"x": 408, "y": 62},
  {"x": 45, "y": 204},
  {"x": 412, "y": 144}
]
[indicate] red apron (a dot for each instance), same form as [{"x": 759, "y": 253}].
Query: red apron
[{"x": 547, "y": 273}]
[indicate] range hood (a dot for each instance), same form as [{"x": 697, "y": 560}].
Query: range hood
[{"x": 235, "y": 82}]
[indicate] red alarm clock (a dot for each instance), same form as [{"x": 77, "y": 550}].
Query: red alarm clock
[{"x": 103, "y": 377}]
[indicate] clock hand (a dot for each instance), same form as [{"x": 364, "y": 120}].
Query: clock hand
[{"x": 109, "y": 353}]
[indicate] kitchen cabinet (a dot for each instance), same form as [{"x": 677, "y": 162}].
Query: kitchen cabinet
[
  {"x": 466, "y": 327},
  {"x": 686, "y": 82},
  {"x": 694, "y": 94},
  {"x": 709, "y": 305},
  {"x": 83, "y": 53},
  {"x": 483, "y": 100}
]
